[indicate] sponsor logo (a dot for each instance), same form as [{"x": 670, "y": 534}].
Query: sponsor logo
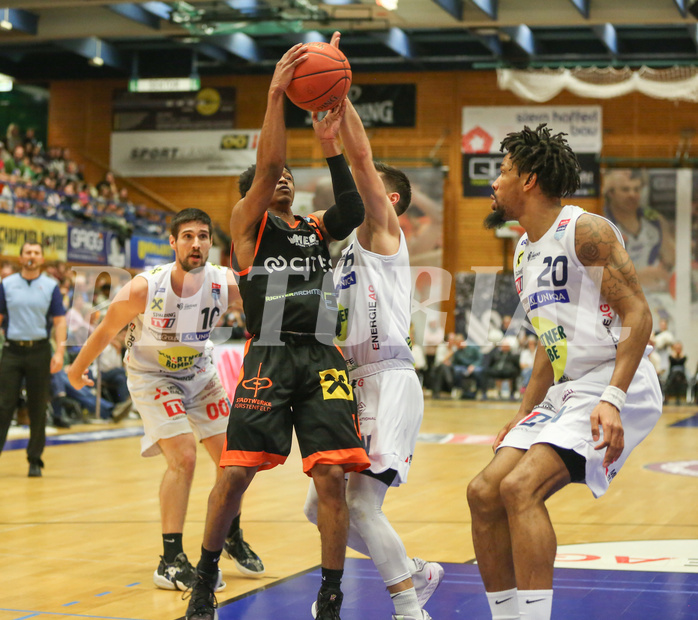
[
  {"x": 545, "y": 298},
  {"x": 532, "y": 255},
  {"x": 178, "y": 358},
  {"x": 680, "y": 468},
  {"x": 215, "y": 289},
  {"x": 174, "y": 407},
  {"x": 477, "y": 140},
  {"x": 373, "y": 318},
  {"x": 90, "y": 240},
  {"x": 607, "y": 314},
  {"x": 610, "y": 474},
  {"x": 156, "y": 304},
  {"x": 181, "y": 306},
  {"x": 504, "y": 600},
  {"x": 164, "y": 314},
  {"x": 162, "y": 323},
  {"x": 347, "y": 281},
  {"x": 238, "y": 142},
  {"x": 163, "y": 336},
  {"x": 195, "y": 336},
  {"x": 257, "y": 383},
  {"x": 304, "y": 241},
  {"x": 160, "y": 290},
  {"x": 299, "y": 264},
  {"x": 519, "y": 285},
  {"x": 566, "y": 394},
  {"x": 519, "y": 258},
  {"x": 335, "y": 385},
  {"x": 561, "y": 227}
]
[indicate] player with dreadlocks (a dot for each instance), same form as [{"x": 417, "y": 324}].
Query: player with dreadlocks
[{"x": 593, "y": 395}]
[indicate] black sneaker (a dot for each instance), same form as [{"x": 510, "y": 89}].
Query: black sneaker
[
  {"x": 180, "y": 575},
  {"x": 246, "y": 560},
  {"x": 203, "y": 604},
  {"x": 327, "y": 605}
]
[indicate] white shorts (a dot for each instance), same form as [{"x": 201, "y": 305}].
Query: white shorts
[
  {"x": 391, "y": 406},
  {"x": 563, "y": 419},
  {"x": 171, "y": 407}
]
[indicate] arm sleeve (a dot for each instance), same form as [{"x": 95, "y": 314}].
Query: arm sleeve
[
  {"x": 56, "y": 308},
  {"x": 348, "y": 211}
]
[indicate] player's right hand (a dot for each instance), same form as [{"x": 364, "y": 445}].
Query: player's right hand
[
  {"x": 334, "y": 42},
  {"x": 283, "y": 74},
  {"x": 79, "y": 381}
]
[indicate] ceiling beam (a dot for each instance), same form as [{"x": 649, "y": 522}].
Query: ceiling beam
[
  {"x": 693, "y": 32},
  {"x": 453, "y": 7},
  {"x": 398, "y": 41},
  {"x": 92, "y": 48},
  {"x": 489, "y": 7},
  {"x": 583, "y": 7},
  {"x": 23, "y": 21},
  {"x": 211, "y": 51},
  {"x": 608, "y": 35},
  {"x": 162, "y": 10},
  {"x": 239, "y": 44},
  {"x": 136, "y": 13},
  {"x": 523, "y": 37},
  {"x": 682, "y": 6}
]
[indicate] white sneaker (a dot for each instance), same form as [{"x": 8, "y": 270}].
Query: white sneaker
[
  {"x": 426, "y": 579},
  {"x": 425, "y": 616}
]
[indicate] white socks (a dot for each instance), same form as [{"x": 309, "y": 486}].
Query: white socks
[
  {"x": 535, "y": 604},
  {"x": 504, "y": 605},
  {"x": 406, "y": 603}
]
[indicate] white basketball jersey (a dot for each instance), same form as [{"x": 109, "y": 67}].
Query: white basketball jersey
[
  {"x": 172, "y": 335},
  {"x": 562, "y": 299},
  {"x": 376, "y": 292}
]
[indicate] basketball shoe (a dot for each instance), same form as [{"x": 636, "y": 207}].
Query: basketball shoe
[
  {"x": 327, "y": 605},
  {"x": 246, "y": 560},
  {"x": 180, "y": 575},
  {"x": 425, "y": 616},
  {"x": 202, "y": 604},
  {"x": 426, "y": 579}
]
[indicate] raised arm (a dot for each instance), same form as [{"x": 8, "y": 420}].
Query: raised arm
[
  {"x": 128, "y": 303},
  {"x": 597, "y": 246},
  {"x": 271, "y": 156}
]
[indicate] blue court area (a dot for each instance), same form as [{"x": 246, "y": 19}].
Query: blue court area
[
  {"x": 691, "y": 421},
  {"x": 579, "y": 595}
]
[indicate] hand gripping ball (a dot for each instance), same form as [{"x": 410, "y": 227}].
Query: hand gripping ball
[{"x": 322, "y": 81}]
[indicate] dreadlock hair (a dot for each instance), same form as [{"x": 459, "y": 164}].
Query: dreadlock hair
[
  {"x": 396, "y": 181},
  {"x": 547, "y": 156},
  {"x": 246, "y": 178},
  {"x": 189, "y": 215}
]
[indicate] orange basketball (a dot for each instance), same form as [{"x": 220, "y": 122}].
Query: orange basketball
[{"x": 322, "y": 81}]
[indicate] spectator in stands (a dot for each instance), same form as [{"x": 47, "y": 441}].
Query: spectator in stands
[
  {"x": 502, "y": 365},
  {"x": 663, "y": 341},
  {"x": 526, "y": 358},
  {"x": 442, "y": 362},
  {"x": 111, "y": 365},
  {"x": 676, "y": 383},
  {"x": 13, "y": 137}
]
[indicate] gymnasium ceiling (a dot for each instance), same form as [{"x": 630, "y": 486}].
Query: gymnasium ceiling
[{"x": 57, "y": 39}]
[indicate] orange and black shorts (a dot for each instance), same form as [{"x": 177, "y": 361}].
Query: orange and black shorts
[{"x": 301, "y": 384}]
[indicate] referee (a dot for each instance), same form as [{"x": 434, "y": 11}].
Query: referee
[{"x": 29, "y": 303}]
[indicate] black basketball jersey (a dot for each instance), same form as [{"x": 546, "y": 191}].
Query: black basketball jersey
[{"x": 289, "y": 286}]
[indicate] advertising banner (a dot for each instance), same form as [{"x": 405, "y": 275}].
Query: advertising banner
[
  {"x": 183, "y": 153},
  {"x": 210, "y": 108},
  {"x": 484, "y": 128},
  {"x": 90, "y": 246},
  {"x": 149, "y": 251},
  {"x": 378, "y": 105},
  {"x": 16, "y": 230}
]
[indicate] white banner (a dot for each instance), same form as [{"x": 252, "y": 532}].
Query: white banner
[
  {"x": 485, "y": 127},
  {"x": 183, "y": 153}
]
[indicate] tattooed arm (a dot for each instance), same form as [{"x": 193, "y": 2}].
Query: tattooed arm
[{"x": 598, "y": 247}]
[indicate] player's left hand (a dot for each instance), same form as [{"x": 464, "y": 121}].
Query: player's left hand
[
  {"x": 334, "y": 41},
  {"x": 608, "y": 417},
  {"x": 327, "y": 129}
]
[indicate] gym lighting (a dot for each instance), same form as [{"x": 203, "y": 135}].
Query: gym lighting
[
  {"x": 6, "y": 24},
  {"x": 97, "y": 60}
]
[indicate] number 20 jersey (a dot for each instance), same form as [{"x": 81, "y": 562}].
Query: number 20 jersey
[
  {"x": 172, "y": 335},
  {"x": 562, "y": 299}
]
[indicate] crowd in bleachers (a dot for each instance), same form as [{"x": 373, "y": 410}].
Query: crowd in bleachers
[{"x": 48, "y": 183}]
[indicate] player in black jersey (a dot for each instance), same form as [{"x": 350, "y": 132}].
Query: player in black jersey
[{"x": 292, "y": 375}]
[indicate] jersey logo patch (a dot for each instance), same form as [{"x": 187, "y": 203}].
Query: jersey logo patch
[
  {"x": 335, "y": 385},
  {"x": 257, "y": 383},
  {"x": 561, "y": 227},
  {"x": 156, "y": 304},
  {"x": 162, "y": 323},
  {"x": 544, "y": 298},
  {"x": 215, "y": 289}
]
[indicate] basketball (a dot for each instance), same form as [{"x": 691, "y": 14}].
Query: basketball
[{"x": 322, "y": 81}]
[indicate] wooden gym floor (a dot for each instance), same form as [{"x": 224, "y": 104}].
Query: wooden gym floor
[{"x": 84, "y": 540}]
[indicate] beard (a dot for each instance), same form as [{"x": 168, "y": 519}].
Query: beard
[
  {"x": 495, "y": 219},
  {"x": 189, "y": 267}
]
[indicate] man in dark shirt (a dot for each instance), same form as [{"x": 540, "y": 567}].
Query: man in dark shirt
[
  {"x": 30, "y": 304},
  {"x": 292, "y": 375}
]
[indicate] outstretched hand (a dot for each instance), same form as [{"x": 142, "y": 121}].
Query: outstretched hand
[
  {"x": 327, "y": 129},
  {"x": 283, "y": 74}
]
